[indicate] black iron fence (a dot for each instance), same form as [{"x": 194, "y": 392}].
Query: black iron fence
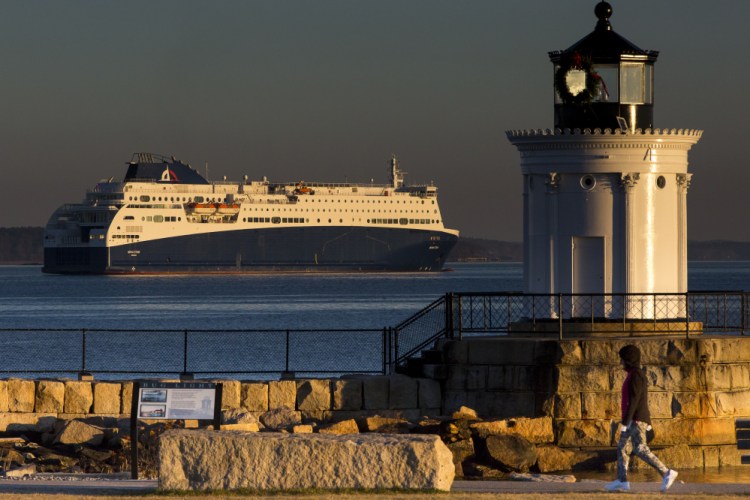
[
  {"x": 182, "y": 352},
  {"x": 313, "y": 352},
  {"x": 571, "y": 315}
]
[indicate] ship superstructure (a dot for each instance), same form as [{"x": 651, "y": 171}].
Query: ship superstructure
[{"x": 165, "y": 217}]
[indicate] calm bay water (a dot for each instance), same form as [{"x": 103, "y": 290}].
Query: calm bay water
[{"x": 31, "y": 299}]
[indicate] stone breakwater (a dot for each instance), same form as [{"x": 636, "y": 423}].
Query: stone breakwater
[
  {"x": 35, "y": 405},
  {"x": 560, "y": 397},
  {"x": 697, "y": 388}
]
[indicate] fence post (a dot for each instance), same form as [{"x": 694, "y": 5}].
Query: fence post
[
  {"x": 687, "y": 316},
  {"x": 185, "y": 375},
  {"x": 286, "y": 362},
  {"x": 395, "y": 348},
  {"x": 460, "y": 318},
  {"x": 385, "y": 349},
  {"x": 83, "y": 374},
  {"x": 83, "y": 350},
  {"x": 560, "y": 315},
  {"x": 448, "y": 315},
  {"x": 184, "y": 351}
]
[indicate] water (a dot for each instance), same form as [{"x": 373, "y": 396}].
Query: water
[{"x": 30, "y": 299}]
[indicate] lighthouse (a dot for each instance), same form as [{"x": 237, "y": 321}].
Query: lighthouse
[{"x": 604, "y": 191}]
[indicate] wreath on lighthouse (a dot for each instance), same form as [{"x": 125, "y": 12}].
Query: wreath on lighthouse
[{"x": 577, "y": 82}]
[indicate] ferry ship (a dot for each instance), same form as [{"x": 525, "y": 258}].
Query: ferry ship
[{"x": 165, "y": 217}]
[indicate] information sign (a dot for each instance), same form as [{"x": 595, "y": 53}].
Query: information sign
[{"x": 171, "y": 400}]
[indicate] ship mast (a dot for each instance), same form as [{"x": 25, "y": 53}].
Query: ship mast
[{"x": 397, "y": 175}]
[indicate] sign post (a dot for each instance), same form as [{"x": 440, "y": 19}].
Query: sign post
[{"x": 172, "y": 401}]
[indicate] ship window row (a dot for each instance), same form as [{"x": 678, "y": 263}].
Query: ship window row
[
  {"x": 344, "y": 210},
  {"x": 201, "y": 199},
  {"x": 161, "y": 218},
  {"x": 402, "y": 221},
  {"x": 198, "y": 199},
  {"x": 126, "y": 236},
  {"x": 320, "y": 200},
  {"x": 301, "y": 220},
  {"x": 154, "y": 206}
]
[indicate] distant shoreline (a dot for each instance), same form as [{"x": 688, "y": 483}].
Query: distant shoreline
[{"x": 23, "y": 246}]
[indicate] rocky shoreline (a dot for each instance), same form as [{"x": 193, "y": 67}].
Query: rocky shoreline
[{"x": 514, "y": 448}]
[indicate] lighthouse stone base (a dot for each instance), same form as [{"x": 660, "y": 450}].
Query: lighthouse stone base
[{"x": 697, "y": 388}]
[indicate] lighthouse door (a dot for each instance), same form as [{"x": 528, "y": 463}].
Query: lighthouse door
[{"x": 588, "y": 275}]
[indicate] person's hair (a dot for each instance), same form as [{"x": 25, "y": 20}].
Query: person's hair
[{"x": 631, "y": 356}]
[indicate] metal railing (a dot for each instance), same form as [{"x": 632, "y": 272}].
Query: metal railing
[
  {"x": 337, "y": 351},
  {"x": 570, "y": 316},
  {"x": 186, "y": 352}
]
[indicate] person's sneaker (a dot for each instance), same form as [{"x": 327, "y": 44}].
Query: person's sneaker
[
  {"x": 668, "y": 480},
  {"x": 618, "y": 485}
]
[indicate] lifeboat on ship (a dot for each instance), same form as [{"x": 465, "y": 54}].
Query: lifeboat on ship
[
  {"x": 302, "y": 189},
  {"x": 227, "y": 208},
  {"x": 201, "y": 208}
]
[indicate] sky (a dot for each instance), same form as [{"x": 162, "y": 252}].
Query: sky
[{"x": 327, "y": 90}]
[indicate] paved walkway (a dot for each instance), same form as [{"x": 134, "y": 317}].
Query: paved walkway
[
  {"x": 90, "y": 485},
  {"x": 592, "y": 486}
]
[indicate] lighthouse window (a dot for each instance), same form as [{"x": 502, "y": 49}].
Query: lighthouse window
[
  {"x": 588, "y": 182},
  {"x": 661, "y": 182},
  {"x": 633, "y": 83}
]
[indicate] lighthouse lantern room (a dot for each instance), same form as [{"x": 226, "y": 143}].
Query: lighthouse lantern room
[{"x": 604, "y": 200}]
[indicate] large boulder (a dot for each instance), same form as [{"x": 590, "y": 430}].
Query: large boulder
[
  {"x": 536, "y": 430},
  {"x": 344, "y": 427},
  {"x": 107, "y": 397},
  {"x": 206, "y": 460},
  {"x": 21, "y": 395},
  {"x": 462, "y": 451},
  {"x": 237, "y": 416},
  {"x": 50, "y": 396},
  {"x": 280, "y": 418},
  {"x": 511, "y": 452},
  {"x": 78, "y": 397},
  {"x": 75, "y": 432},
  {"x": 553, "y": 458}
]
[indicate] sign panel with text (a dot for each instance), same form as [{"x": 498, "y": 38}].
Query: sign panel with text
[{"x": 172, "y": 400}]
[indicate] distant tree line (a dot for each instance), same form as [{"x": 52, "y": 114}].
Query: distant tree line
[{"x": 23, "y": 245}]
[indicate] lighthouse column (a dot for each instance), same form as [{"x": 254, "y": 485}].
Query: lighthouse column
[
  {"x": 628, "y": 185},
  {"x": 683, "y": 183}
]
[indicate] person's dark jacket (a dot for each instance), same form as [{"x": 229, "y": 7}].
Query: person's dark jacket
[
  {"x": 637, "y": 387},
  {"x": 637, "y": 398}
]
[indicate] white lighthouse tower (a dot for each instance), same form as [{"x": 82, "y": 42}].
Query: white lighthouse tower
[{"x": 604, "y": 192}]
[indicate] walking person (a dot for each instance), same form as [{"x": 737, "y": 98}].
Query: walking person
[{"x": 636, "y": 420}]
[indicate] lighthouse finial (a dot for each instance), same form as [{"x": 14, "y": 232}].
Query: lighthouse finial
[{"x": 603, "y": 11}]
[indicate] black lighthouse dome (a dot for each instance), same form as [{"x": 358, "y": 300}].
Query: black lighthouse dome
[{"x": 603, "y": 80}]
